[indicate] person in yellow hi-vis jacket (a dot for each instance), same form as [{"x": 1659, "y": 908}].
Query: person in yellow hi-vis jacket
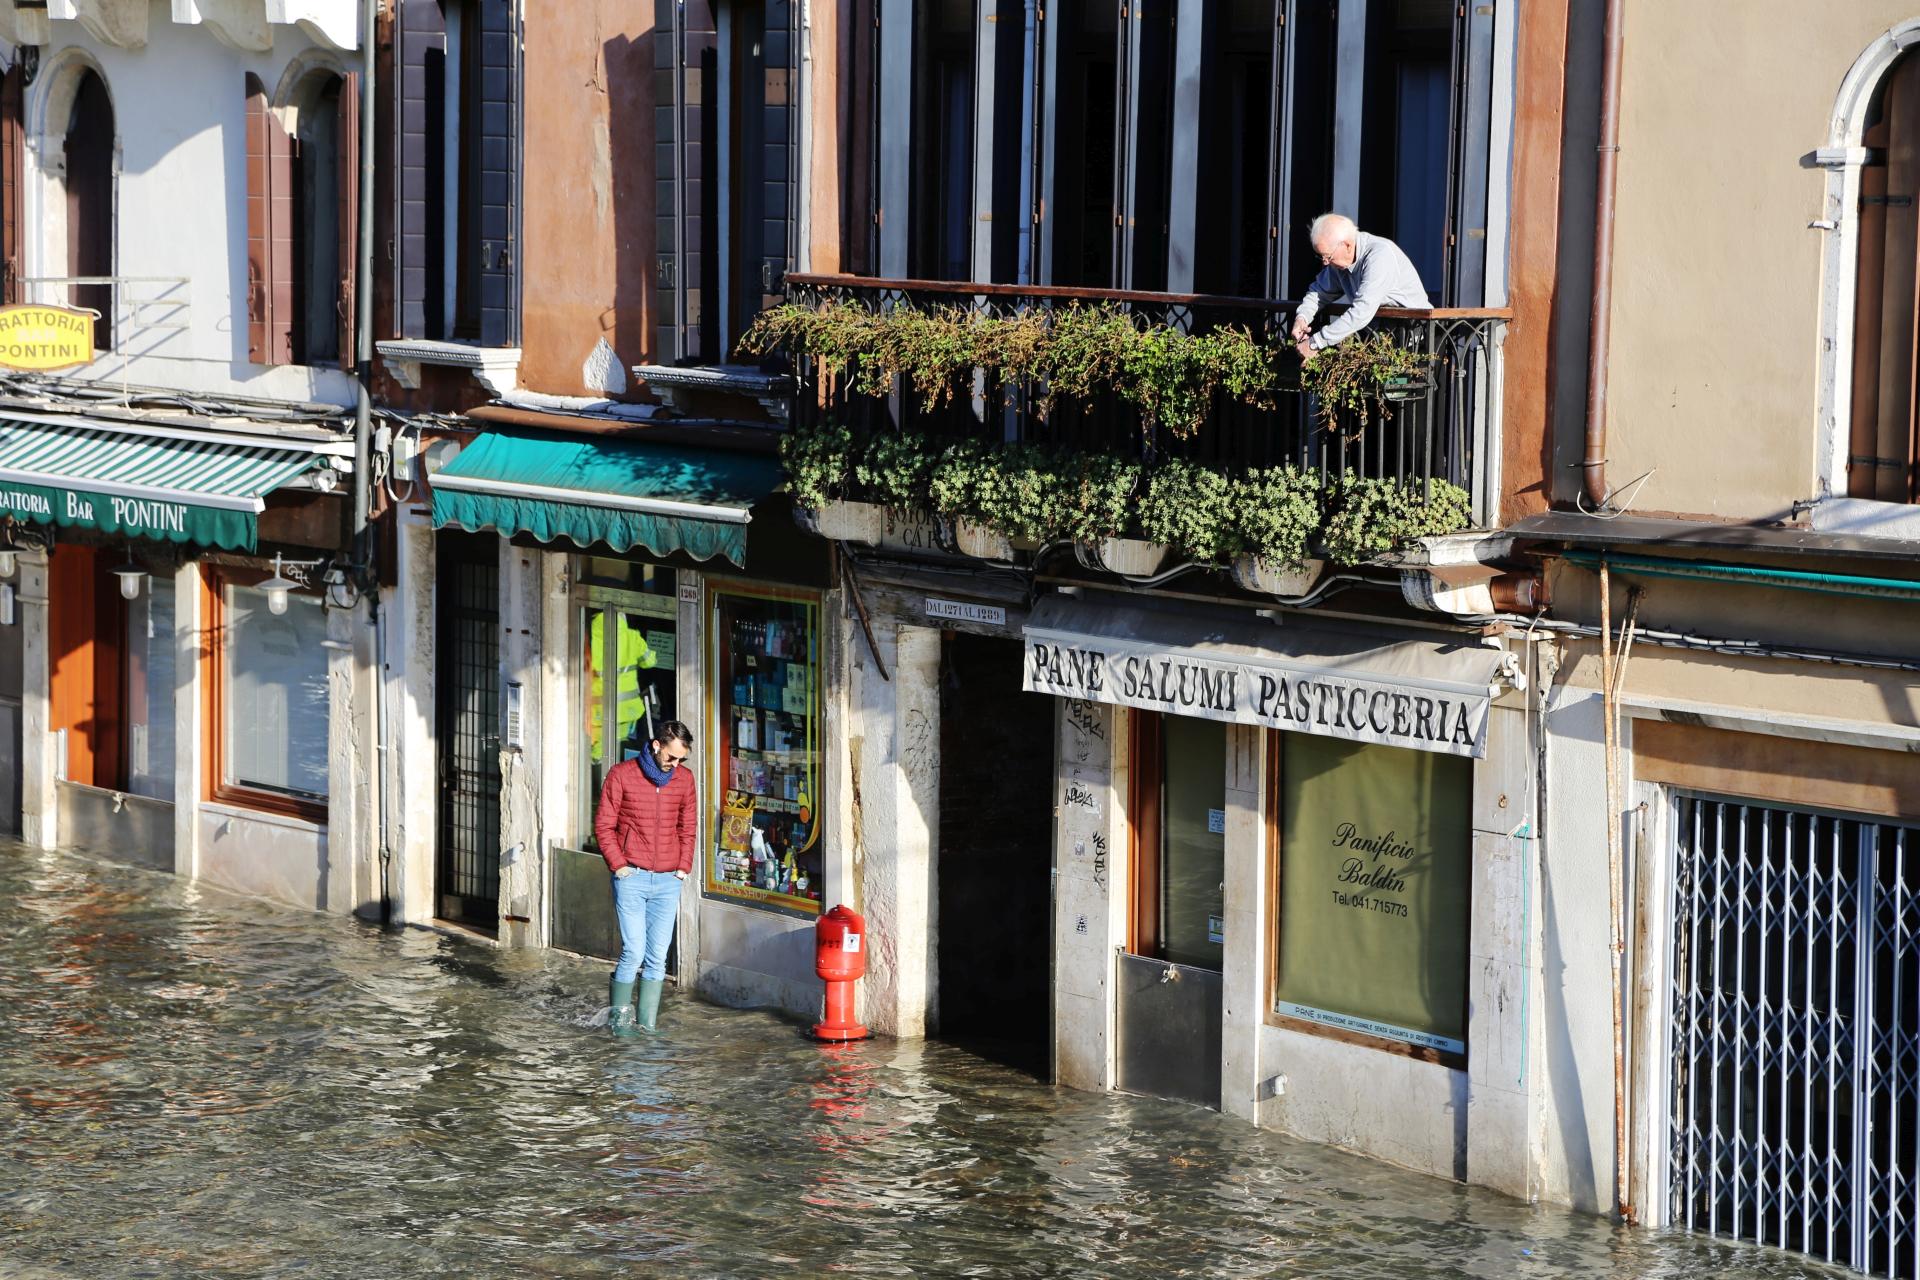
[{"x": 634, "y": 656}]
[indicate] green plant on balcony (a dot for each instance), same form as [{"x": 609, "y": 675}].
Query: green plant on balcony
[
  {"x": 1360, "y": 376},
  {"x": 1368, "y": 518},
  {"x": 1101, "y": 497},
  {"x": 1276, "y": 513},
  {"x": 819, "y": 463},
  {"x": 1190, "y": 507},
  {"x": 895, "y": 470}
]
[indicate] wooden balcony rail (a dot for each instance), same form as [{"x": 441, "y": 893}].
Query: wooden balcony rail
[{"x": 1436, "y": 430}]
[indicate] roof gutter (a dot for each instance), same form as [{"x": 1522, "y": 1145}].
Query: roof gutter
[
  {"x": 1840, "y": 584},
  {"x": 1593, "y": 466}
]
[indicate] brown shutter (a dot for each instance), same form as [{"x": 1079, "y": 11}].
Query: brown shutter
[
  {"x": 348, "y": 152},
  {"x": 270, "y": 223},
  {"x": 13, "y": 144}
]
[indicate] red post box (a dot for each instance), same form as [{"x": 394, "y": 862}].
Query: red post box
[{"x": 840, "y": 956}]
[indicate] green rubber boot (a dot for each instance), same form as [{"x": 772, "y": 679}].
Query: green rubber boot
[
  {"x": 648, "y": 1002},
  {"x": 620, "y": 1011}
]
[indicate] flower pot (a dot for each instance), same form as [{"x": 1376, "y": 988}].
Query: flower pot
[
  {"x": 1128, "y": 557},
  {"x": 841, "y": 521},
  {"x": 1252, "y": 573},
  {"x": 1399, "y": 389},
  {"x": 980, "y": 542}
]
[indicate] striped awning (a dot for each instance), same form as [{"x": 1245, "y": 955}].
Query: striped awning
[{"x": 143, "y": 483}]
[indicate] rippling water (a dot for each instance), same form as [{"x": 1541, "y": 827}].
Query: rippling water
[{"x": 195, "y": 1085}]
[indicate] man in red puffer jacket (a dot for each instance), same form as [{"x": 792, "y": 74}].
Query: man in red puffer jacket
[{"x": 645, "y": 825}]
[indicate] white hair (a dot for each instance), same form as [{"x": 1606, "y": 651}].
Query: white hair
[{"x": 1337, "y": 225}]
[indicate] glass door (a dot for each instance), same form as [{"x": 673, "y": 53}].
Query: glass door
[
  {"x": 628, "y": 649},
  {"x": 1168, "y": 978}
]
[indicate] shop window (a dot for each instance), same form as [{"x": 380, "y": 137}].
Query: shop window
[
  {"x": 1883, "y": 460},
  {"x": 628, "y": 651},
  {"x": 1372, "y": 845},
  {"x": 150, "y": 688},
  {"x": 89, "y": 183},
  {"x": 269, "y": 713},
  {"x": 1180, "y": 842},
  {"x": 765, "y": 726}
]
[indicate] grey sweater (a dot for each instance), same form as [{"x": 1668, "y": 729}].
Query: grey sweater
[{"x": 1381, "y": 276}]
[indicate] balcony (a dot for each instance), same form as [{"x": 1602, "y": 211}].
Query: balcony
[{"x": 1432, "y": 428}]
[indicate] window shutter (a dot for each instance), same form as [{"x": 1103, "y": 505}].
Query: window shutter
[
  {"x": 499, "y": 67},
  {"x": 13, "y": 142},
  {"x": 775, "y": 235},
  {"x": 421, "y": 34},
  {"x": 348, "y": 154},
  {"x": 270, "y": 220},
  {"x": 687, "y": 211}
]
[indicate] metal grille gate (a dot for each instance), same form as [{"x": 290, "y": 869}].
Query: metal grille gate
[
  {"x": 1796, "y": 1032},
  {"x": 467, "y": 875}
]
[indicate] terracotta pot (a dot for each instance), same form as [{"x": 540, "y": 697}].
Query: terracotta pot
[{"x": 1251, "y": 573}]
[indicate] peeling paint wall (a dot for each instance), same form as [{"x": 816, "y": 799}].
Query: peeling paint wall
[{"x": 588, "y": 194}]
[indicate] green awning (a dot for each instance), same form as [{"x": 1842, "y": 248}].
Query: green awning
[
  {"x": 142, "y": 484},
  {"x": 619, "y": 494}
]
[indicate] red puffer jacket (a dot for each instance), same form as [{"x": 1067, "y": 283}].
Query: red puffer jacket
[{"x": 641, "y": 825}]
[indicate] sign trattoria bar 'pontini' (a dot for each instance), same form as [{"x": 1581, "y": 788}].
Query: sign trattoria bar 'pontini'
[{"x": 1297, "y": 677}]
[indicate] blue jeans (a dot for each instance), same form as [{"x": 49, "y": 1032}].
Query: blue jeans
[{"x": 647, "y": 903}]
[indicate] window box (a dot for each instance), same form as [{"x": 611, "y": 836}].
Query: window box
[
  {"x": 1253, "y": 573},
  {"x": 981, "y": 543},
  {"x": 1128, "y": 557},
  {"x": 843, "y": 521}
]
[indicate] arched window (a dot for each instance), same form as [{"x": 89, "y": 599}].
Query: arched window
[
  {"x": 1884, "y": 444},
  {"x": 89, "y": 159}
]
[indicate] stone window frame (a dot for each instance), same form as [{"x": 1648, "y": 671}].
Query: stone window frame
[{"x": 1841, "y": 157}]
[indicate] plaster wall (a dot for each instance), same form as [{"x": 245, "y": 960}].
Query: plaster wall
[
  {"x": 39, "y": 817},
  {"x": 588, "y": 196},
  {"x": 179, "y": 114},
  {"x": 523, "y": 880},
  {"x": 1717, "y": 283},
  {"x": 1091, "y": 859},
  {"x": 411, "y": 767}
]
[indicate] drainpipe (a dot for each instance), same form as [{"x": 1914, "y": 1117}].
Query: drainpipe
[
  {"x": 365, "y": 553},
  {"x": 1593, "y": 467}
]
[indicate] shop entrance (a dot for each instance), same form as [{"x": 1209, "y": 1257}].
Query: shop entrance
[
  {"x": 1168, "y": 979},
  {"x": 996, "y": 855},
  {"x": 467, "y": 729},
  {"x": 10, "y": 674}
]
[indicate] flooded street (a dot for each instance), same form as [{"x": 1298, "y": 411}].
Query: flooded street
[{"x": 192, "y": 1085}]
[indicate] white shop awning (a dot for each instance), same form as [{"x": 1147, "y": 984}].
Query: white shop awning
[{"x": 1305, "y": 677}]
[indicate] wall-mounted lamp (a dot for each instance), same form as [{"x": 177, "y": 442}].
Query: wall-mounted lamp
[
  {"x": 292, "y": 575},
  {"x": 132, "y": 577},
  {"x": 277, "y": 588},
  {"x": 9, "y": 562}
]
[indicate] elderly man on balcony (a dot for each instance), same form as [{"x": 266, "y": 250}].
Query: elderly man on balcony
[{"x": 1364, "y": 271}]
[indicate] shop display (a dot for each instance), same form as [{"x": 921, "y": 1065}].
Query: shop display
[{"x": 766, "y": 724}]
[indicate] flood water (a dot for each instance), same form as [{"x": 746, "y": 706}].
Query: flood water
[{"x": 194, "y": 1085}]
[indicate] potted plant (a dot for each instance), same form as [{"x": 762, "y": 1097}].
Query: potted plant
[
  {"x": 964, "y": 486},
  {"x": 1368, "y": 519},
  {"x": 1102, "y": 496},
  {"x": 1189, "y": 507},
  {"x": 894, "y": 469},
  {"x": 1359, "y": 377},
  {"x": 819, "y": 465},
  {"x": 1276, "y": 512}
]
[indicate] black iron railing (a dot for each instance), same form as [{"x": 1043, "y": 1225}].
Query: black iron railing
[{"x": 1436, "y": 428}]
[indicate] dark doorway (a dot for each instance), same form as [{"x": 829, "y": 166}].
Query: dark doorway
[
  {"x": 467, "y": 730},
  {"x": 996, "y": 855}
]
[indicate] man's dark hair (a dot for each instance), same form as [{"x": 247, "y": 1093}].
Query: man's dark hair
[{"x": 674, "y": 731}]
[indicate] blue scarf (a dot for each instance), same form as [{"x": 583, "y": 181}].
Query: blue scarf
[{"x": 651, "y": 767}]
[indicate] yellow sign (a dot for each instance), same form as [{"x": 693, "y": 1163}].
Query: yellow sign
[{"x": 40, "y": 338}]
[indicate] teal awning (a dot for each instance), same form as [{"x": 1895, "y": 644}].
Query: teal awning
[
  {"x": 140, "y": 483},
  {"x": 615, "y": 493}
]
